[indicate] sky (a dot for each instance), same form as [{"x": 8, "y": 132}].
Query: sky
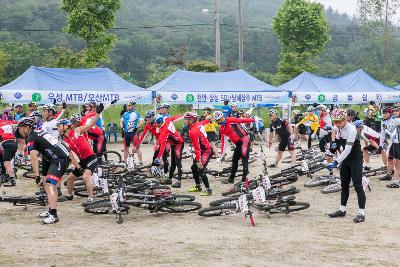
[{"x": 343, "y": 6}]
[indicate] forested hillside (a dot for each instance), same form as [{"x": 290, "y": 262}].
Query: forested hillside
[{"x": 147, "y": 29}]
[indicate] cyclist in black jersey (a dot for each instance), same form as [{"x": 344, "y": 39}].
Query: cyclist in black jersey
[
  {"x": 54, "y": 153},
  {"x": 284, "y": 130},
  {"x": 351, "y": 165}
]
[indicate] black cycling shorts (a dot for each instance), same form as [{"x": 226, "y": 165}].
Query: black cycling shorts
[
  {"x": 212, "y": 136},
  {"x": 9, "y": 149},
  {"x": 90, "y": 163},
  {"x": 129, "y": 137},
  {"x": 394, "y": 152},
  {"x": 54, "y": 169},
  {"x": 286, "y": 142}
]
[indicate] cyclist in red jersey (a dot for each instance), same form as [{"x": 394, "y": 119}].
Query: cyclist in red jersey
[
  {"x": 152, "y": 128},
  {"x": 10, "y": 147},
  {"x": 94, "y": 133},
  {"x": 231, "y": 128},
  {"x": 168, "y": 134},
  {"x": 202, "y": 151},
  {"x": 77, "y": 141}
]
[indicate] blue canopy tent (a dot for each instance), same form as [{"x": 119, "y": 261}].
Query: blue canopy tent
[
  {"x": 354, "y": 88},
  {"x": 75, "y": 86},
  {"x": 398, "y": 86},
  {"x": 187, "y": 87}
]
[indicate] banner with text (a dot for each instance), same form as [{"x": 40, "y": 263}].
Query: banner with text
[
  {"x": 216, "y": 98},
  {"x": 74, "y": 97},
  {"x": 345, "y": 98}
]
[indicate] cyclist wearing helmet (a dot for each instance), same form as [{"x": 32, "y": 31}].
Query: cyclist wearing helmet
[
  {"x": 152, "y": 128},
  {"x": 325, "y": 126},
  {"x": 50, "y": 117},
  {"x": 31, "y": 108},
  {"x": 169, "y": 136},
  {"x": 313, "y": 120},
  {"x": 202, "y": 152},
  {"x": 130, "y": 122},
  {"x": 284, "y": 130},
  {"x": 387, "y": 122},
  {"x": 394, "y": 152},
  {"x": 371, "y": 139},
  {"x": 77, "y": 141},
  {"x": 9, "y": 145},
  {"x": 211, "y": 129},
  {"x": 352, "y": 115},
  {"x": 94, "y": 133},
  {"x": 301, "y": 132},
  {"x": 55, "y": 162},
  {"x": 235, "y": 112},
  {"x": 38, "y": 119},
  {"x": 164, "y": 110},
  {"x": 230, "y": 128},
  {"x": 351, "y": 165}
]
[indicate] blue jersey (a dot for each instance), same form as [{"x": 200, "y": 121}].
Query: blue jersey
[
  {"x": 18, "y": 116},
  {"x": 227, "y": 111},
  {"x": 130, "y": 120}
]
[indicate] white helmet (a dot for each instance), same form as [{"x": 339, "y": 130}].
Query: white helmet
[
  {"x": 217, "y": 115},
  {"x": 322, "y": 107}
]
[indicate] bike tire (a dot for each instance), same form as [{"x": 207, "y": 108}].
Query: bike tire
[
  {"x": 102, "y": 207},
  {"x": 29, "y": 175},
  {"x": 112, "y": 156},
  {"x": 318, "y": 181},
  {"x": 23, "y": 200},
  {"x": 82, "y": 192},
  {"x": 286, "y": 207},
  {"x": 181, "y": 206},
  {"x": 224, "y": 201},
  {"x": 218, "y": 210}
]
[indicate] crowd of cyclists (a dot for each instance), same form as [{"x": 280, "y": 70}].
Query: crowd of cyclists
[{"x": 51, "y": 136}]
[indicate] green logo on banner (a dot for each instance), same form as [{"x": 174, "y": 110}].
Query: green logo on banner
[
  {"x": 321, "y": 98},
  {"x": 36, "y": 97},
  {"x": 189, "y": 98}
]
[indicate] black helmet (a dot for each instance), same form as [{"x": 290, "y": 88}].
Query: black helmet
[{"x": 27, "y": 121}]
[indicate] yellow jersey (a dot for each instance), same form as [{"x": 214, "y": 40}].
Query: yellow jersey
[{"x": 314, "y": 122}]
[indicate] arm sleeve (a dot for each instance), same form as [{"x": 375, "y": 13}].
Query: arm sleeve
[
  {"x": 146, "y": 128},
  {"x": 162, "y": 142},
  {"x": 303, "y": 120},
  {"x": 222, "y": 141},
  {"x": 196, "y": 145},
  {"x": 349, "y": 145},
  {"x": 239, "y": 120}
]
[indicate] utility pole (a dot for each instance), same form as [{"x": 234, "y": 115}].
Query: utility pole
[
  {"x": 217, "y": 34},
  {"x": 240, "y": 35}
]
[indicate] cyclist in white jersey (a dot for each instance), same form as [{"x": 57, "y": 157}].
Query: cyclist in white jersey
[
  {"x": 386, "y": 123},
  {"x": 50, "y": 118},
  {"x": 394, "y": 152}
]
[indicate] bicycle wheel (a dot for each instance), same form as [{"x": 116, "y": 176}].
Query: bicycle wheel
[
  {"x": 102, "y": 207},
  {"x": 218, "y": 210},
  {"x": 181, "y": 206},
  {"x": 23, "y": 200},
  {"x": 112, "y": 156},
  {"x": 224, "y": 201},
  {"x": 286, "y": 207},
  {"x": 82, "y": 192}
]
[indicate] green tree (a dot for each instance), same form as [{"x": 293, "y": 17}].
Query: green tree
[
  {"x": 91, "y": 20},
  {"x": 4, "y": 60},
  {"x": 158, "y": 72},
  {"x": 302, "y": 29},
  {"x": 377, "y": 17},
  {"x": 202, "y": 66}
]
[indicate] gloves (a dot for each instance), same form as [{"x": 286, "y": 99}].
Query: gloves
[
  {"x": 81, "y": 170},
  {"x": 114, "y": 101},
  {"x": 327, "y": 128},
  {"x": 332, "y": 165},
  {"x": 199, "y": 165},
  {"x": 99, "y": 108},
  {"x": 333, "y": 145},
  {"x": 64, "y": 105},
  {"x": 37, "y": 179},
  {"x": 157, "y": 162}
]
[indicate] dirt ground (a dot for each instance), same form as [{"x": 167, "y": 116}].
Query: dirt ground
[{"x": 305, "y": 238}]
